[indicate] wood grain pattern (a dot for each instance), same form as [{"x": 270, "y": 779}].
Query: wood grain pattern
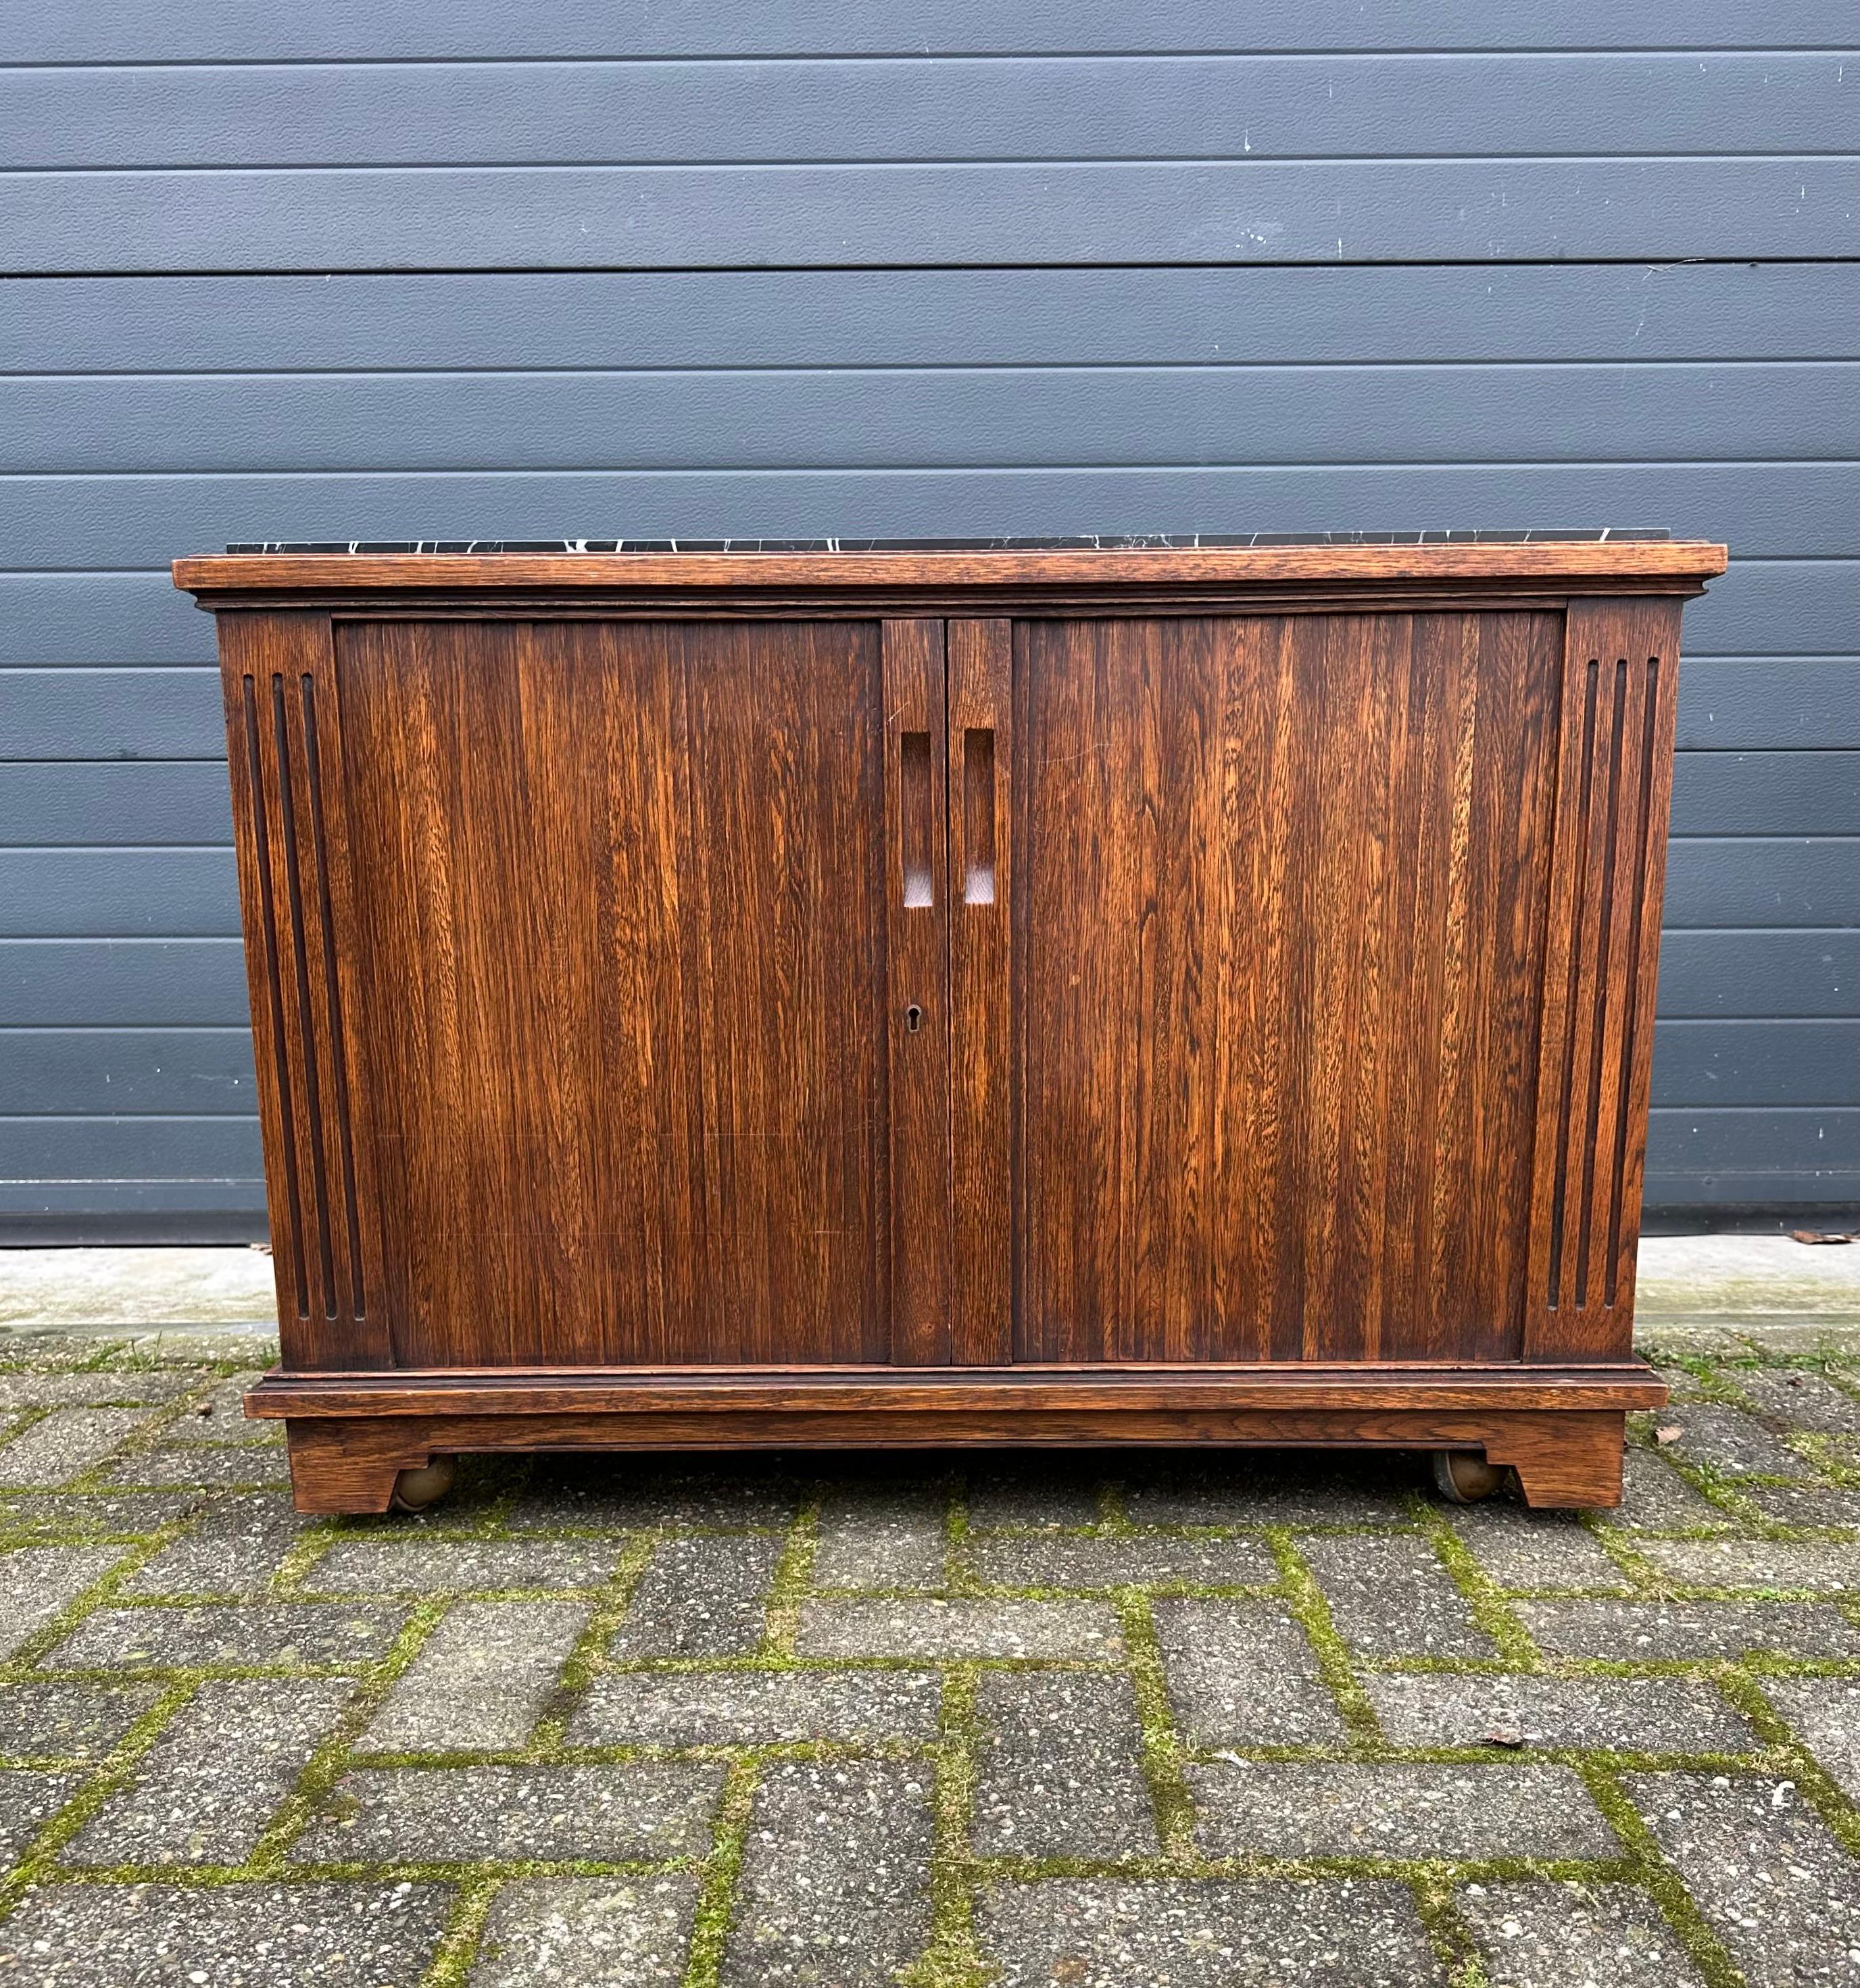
[
  {"x": 285, "y": 754},
  {"x": 1074, "y": 1004},
  {"x": 1277, "y": 929},
  {"x": 1568, "y": 564},
  {"x": 915, "y": 1000},
  {"x": 624, "y": 900},
  {"x": 771, "y": 1390},
  {"x": 1613, "y": 787},
  {"x": 982, "y": 870},
  {"x": 1564, "y": 1456}
]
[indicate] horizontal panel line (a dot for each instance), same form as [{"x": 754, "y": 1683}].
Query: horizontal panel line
[
  {"x": 1456, "y": 466},
  {"x": 979, "y": 162},
  {"x": 935, "y": 369},
  {"x": 113, "y": 1117},
  {"x": 130, "y": 938},
  {"x": 1487, "y": 263},
  {"x": 1757, "y": 1021},
  {"x": 1030, "y": 162},
  {"x": 124, "y": 1029},
  {"x": 1747, "y": 931},
  {"x": 924, "y": 58},
  {"x": 1755, "y": 1111}
]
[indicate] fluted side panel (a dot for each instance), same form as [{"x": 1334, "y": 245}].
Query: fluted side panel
[
  {"x": 285, "y": 757},
  {"x": 1601, "y": 957}
]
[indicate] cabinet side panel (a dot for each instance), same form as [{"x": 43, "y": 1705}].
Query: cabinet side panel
[
  {"x": 1615, "y": 776},
  {"x": 285, "y": 754}
]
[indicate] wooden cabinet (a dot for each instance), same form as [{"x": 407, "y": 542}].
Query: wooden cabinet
[{"x": 1184, "y": 994}]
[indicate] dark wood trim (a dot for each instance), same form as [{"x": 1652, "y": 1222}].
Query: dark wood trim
[
  {"x": 1564, "y": 1456},
  {"x": 1571, "y": 561},
  {"x": 1121, "y": 1390}
]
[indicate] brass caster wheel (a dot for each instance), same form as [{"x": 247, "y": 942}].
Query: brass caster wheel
[
  {"x": 414, "y": 1490},
  {"x": 1462, "y": 1479}
]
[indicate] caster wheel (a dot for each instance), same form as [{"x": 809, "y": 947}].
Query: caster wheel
[
  {"x": 414, "y": 1490},
  {"x": 1462, "y": 1479}
]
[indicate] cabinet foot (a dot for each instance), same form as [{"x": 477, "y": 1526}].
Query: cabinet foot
[
  {"x": 1569, "y": 1460},
  {"x": 338, "y": 1466}
]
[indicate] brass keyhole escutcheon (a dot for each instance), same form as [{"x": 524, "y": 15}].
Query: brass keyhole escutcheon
[{"x": 914, "y": 1018}]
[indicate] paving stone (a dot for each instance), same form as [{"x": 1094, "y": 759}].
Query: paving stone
[
  {"x": 220, "y": 1416},
  {"x": 1241, "y": 1672},
  {"x": 1293, "y": 1487},
  {"x": 1824, "y": 1713},
  {"x": 1060, "y": 1771},
  {"x": 1146, "y": 1560},
  {"x": 707, "y": 1596},
  {"x": 1655, "y": 1498},
  {"x": 218, "y": 1635},
  {"x": 1803, "y": 1399},
  {"x": 1391, "y": 1597},
  {"x": 318, "y": 1935},
  {"x": 624, "y": 1492},
  {"x": 480, "y": 1680},
  {"x": 1520, "y": 1548},
  {"x": 94, "y": 1514},
  {"x": 37, "y": 1582},
  {"x": 631, "y": 1932},
  {"x": 1341, "y": 1808},
  {"x": 1542, "y": 1935},
  {"x": 955, "y": 1629},
  {"x": 28, "y": 1801},
  {"x": 90, "y": 1389},
  {"x": 1807, "y": 1505},
  {"x": 1347, "y": 1933},
  {"x": 641, "y": 1812},
  {"x": 881, "y": 1535},
  {"x": 1733, "y": 1442},
  {"x": 1821, "y": 1566},
  {"x": 1677, "y": 1630},
  {"x": 1765, "y": 1870},
  {"x": 835, "y": 1883},
  {"x": 211, "y": 1467},
  {"x": 66, "y": 1442},
  {"x": 234, "y": 1547},
  {"x": 1660, "y": 1714},
  {"x": 752, "y": 1708},
  {"x": 1681, "y": 1383},
  {"x": 69, "y": 1722},
  {"x": 1056, "y": 1492},
  {"x": 439, "y": 1567},
  {"x": 206, "y": 1790}
]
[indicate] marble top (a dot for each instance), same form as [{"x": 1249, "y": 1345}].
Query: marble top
[{"x": 1102, "y": 542}]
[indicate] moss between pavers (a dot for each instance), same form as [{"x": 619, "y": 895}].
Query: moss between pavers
[{"x": 952, "y": 1960}]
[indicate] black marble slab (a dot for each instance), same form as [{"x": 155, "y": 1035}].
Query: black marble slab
[{"x": 1102, "y": 542}]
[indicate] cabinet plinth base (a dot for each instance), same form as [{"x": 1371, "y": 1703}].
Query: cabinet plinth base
[{"x": 1561, "y": 1429}]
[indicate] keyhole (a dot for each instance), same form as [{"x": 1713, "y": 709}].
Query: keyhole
[{"x": 914, "y": 1018}]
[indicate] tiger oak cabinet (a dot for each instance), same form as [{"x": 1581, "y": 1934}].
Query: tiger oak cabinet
[{"x": 1176, "y": 992}]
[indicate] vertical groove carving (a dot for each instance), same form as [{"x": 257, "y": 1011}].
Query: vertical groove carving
[
  {"x": 313, "y": 1099},
  {"x": 291, "y": 824},
  {"x": 1566, "y": 1090},
  {"x": 333, "y": 994},
  {"x": 254, "y": 761},
  {"x": 1614, "y": 783}
]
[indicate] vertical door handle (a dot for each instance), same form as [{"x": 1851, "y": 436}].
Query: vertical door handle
[
  {"x": 917, "y": 820},
  {"x": 978, "y": 816}
]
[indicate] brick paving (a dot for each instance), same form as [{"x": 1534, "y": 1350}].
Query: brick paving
[{"x": 1109, "y": 1721}]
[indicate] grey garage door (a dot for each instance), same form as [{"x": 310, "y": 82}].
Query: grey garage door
[{"x": 399, "y": 270}]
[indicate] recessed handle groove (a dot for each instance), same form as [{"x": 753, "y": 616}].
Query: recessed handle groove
[{"x": 978, "y": 816}]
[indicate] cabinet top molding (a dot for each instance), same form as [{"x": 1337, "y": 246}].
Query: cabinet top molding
[{"x": 1566, "y": 563}]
